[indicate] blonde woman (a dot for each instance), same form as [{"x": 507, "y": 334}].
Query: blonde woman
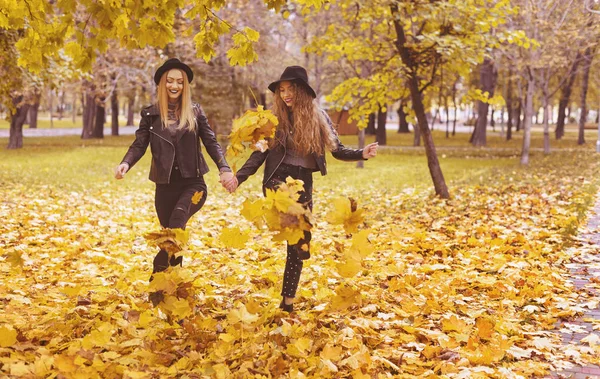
[
  {"x": 174, "y": 128},
  {"x": 303, "y": 135}
]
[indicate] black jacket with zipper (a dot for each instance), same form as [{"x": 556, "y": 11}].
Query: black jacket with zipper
[
  {"x": 274, "y": 157},
  {"x": 190, "y": 160}
]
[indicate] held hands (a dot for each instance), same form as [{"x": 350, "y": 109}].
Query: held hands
[
  {"x": 121, "y": 170},
  {"x": 228, "y": 180},
  {"x": 370, "y": 150}
]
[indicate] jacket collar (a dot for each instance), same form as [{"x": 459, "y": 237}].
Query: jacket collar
[
  {"x": 151, "y": 110},
  {"x": 157, "y": 128}
]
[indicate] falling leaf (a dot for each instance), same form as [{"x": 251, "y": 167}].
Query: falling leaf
[
  {"x": 234, "y": 237},
  {"x": 346, "y": 213}
]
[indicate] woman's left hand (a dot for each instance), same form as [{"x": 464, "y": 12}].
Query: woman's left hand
[
  {"x": 370, "y": 150},
  {"x": 229, "y": 181}
]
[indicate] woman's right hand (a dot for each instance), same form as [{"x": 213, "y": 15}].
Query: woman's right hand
[{"x": 121, "y": 170}]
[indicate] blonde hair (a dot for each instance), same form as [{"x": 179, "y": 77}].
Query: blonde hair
[
  {"x": 311, "y": 130},
  {"x": 185, "y": 108}
]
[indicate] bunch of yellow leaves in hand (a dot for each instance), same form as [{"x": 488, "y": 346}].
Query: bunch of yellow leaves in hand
[
  {"x": 253, "y": 127},
  {"x": 281, "y": 212}
]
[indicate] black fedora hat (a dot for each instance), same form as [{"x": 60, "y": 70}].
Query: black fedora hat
[
  {"x": 170, "y": 64},
  {"x": 294, "y": 73}
]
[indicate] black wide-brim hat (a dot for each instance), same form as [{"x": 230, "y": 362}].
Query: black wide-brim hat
[
  {"x": 171, "y": 64},
  {"x": 294, "y": 74}
]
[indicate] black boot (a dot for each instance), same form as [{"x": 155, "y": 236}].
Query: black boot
[
  {"x": 160, "y": 263},
  {"x": 286, "y": 307},
  {"x": 176, "y": 261}
]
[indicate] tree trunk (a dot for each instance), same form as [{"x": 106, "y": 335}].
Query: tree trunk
[
  {"x": 417, "y": 135},
  {"x": 492, "y": 121},
  {"x": 50, "y": 107},
  {"x": 518, "y": 113},
  {"x": 565, "y": 97},
  {"x": 61, "y": 105},
  {"x": 546, "y": 123},
  {"x": 381, "y": 121},
  {"x": 447, "y": 117},
  {"x": 15, "y": 137},
  {"x": 89, "y": 111},
  {"x": 34, "y": 109},
  {"x": 370, "y": 129},
  {"x": 527, "y": 121},
  {"x": 114, "y": 112},
  {"x": 487, "y": 77},
  {"x": 435, "y": 170},
  {"x": 100, "y": 119},
  {"x": 402, "y": 123},
  {"x": 455, "y": 108},
  {"x": 74, "y": 113},
  {"x": 130, "y": 105},
  {"x": 361, "y": 144},
  {"x": 587, "y": 64}
]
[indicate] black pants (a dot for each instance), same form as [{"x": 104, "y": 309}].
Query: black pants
[
  {"x": 295, "y": 253},
  {"x": 174, "y": 207},
  {"x": 173, "y": 201}
]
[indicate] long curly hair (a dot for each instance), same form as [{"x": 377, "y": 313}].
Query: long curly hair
[
  {"x": 185, "y": 109},
  {"x": 310, "y": 128}
]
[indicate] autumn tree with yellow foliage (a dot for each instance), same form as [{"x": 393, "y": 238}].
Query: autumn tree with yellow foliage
[{"x": 413, "y": 41}]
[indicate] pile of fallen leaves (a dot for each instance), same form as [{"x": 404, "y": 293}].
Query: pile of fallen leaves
[{"x": 405, "y": 285}]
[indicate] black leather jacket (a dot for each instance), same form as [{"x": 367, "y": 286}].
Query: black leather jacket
[
  {"x": 274, "y": 158},
  {"x": 190, "y": 160}
]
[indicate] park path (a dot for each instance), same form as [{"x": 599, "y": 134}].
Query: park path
[
  {"x": 57, "y": 132},
  {"x": 585, "y": 275}
]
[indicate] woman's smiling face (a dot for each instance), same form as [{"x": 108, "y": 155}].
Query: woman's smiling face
[
  {"x": 174, "y": 84},
  {"x": 287, "y": 91}
]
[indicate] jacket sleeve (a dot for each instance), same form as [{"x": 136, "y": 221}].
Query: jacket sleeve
[
  {"x": 256, "y": 160},
  {"x": 138, "y": 147},
  {"x": 210, "y": 141},
  {"x": 342, "y": 152}
]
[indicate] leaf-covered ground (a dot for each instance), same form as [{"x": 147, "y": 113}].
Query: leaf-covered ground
[{"x": 467, "y": 287}]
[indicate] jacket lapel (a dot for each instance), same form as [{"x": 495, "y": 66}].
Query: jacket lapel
[{"x": 158, "y": 129}]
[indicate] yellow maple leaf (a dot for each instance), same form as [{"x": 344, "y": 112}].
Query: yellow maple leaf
[
  {"x": 179, "y": 308},
  {"x": 14, "y": 258},
  {"x": 197, "y": 197},
  {"x": 253, "y": 211},
  {"x": 8, "y": 336},
  {"x": 19, "y": 369},
  {"x": 485, "y": 328},
  {"x": 234, "y": 237},
  {"x": 361, "y": 243},
  {"x": 332, "y": 353},
  {"x": 221, "y": 371},
  {"x": 171, "y": 240},
  {"x": 164, "y": 281},
  {"x": 350, "y": 268},
  {"x": 43, "y": 365},
  {"x": 146, "y": 318},
  {"x": 345, "y": 297},
  {"x": 242, "y": 315},
  {"x": 346, "y": 212},
  {"x": 300, "y": 347},
  {"x": 454, "y": 324}
]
